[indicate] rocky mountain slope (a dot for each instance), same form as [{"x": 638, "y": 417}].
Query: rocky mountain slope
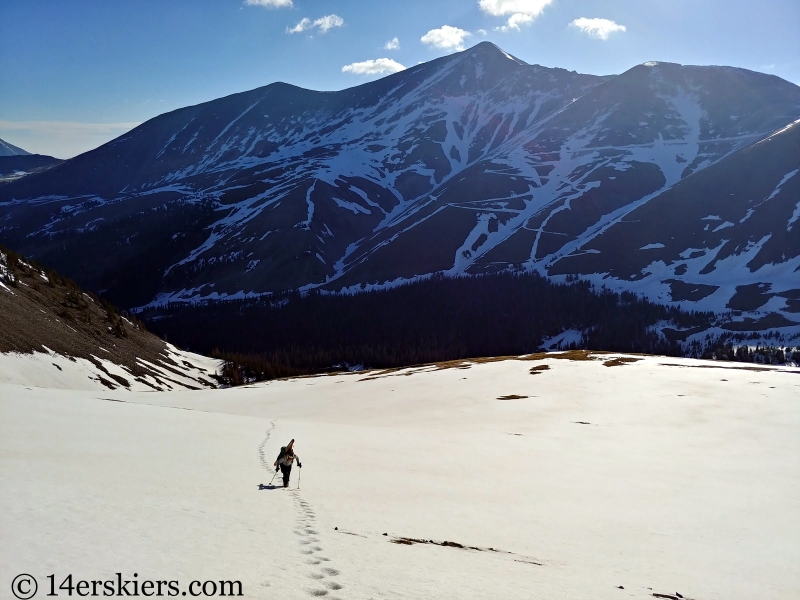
[
  {"x": 54, "y": 335},
  {"x": 472, "y": 163}
]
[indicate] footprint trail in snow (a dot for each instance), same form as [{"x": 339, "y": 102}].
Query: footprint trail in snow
[
  {"x": 322, "y": 573},
  {"x": 262, "y": 458}
]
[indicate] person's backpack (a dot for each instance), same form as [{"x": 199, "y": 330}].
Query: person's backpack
[{"x": 281, "y": 454}]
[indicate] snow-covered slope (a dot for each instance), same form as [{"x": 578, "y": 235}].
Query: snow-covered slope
[
  {"x": 173, "y": 369},
  {"x": 724, "y": 238},
  {"x": 607, "y": 477},
  {"x": 53, "y": 335},
  {"x": 470, "y": 163}
]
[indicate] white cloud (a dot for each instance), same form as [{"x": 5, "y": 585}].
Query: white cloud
[
  {"x": 482, "y": 32},
  {"x": 500, "y": 8},
  {"x": 520, "y": 12},
  {"x": 446, "y": 38},
  {"x": 301, "y": 26},
  {"x": 328, "y": 22},
  {"x": 377, "y": 66},
  {"x": 270, "y": 3},
  {"x": 597, "y": 28},
  {"x": 323, "y": 24},
  {"x": 393, "y": 44},
  {"x": 514, "y": 21}
]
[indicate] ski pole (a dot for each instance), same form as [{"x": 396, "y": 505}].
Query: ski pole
[
  {"x": 273, "y": 478},
  {"x": 298, "y": 478}
]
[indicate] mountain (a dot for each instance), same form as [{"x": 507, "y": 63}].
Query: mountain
[
  {"x": 472, "y": 163},
  {"x": 55, "y": 335},
  {"x": 727, "y": 236},
  {"x": 17, "y": 166},
  {"x": 7, "y": 149},
  {"x": 16, "y": 163}
]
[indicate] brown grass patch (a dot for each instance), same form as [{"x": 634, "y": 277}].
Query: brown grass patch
[
  {"x": 568, "y": 355},
  {"x": 622, "y": 360},
  {"x": 466, "y": 363}
]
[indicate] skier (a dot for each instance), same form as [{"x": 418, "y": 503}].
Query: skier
[{"x": 285, "y": 460}]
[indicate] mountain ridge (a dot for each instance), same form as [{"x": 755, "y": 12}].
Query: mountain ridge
[{"x": 471, "y": 163}]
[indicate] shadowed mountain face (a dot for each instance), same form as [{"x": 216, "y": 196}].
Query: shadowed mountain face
[
  {"x": 472, "y": 163},
  {"x": 19, "y": 165}
]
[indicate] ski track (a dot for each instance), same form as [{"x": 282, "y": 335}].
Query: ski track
[{"x": 322, "y": 574}]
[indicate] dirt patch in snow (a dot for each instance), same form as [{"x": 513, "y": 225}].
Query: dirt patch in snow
[
  {"x": 622, "y": 360},
  {"x": 406, "y": 541}
]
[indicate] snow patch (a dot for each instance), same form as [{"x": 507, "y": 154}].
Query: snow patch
[
  {"x": 563, "y": 340},
  {"x": 724, "y": 225},
  {"x": 353, "y": 207}
]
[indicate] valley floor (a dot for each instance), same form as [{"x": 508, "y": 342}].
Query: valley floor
[{"x": 562, "y": 478}]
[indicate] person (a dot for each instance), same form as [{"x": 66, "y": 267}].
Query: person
[{"x": 285, "y": 460}]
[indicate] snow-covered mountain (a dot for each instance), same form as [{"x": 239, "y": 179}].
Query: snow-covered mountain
[
  {"x": 7, "y": 149},
  {"x": 676, "y": 181}
]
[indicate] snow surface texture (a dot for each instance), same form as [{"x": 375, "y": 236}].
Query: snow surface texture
[
  {"x": 52, "y": 370},
  {"x": 571, "y": 480}
]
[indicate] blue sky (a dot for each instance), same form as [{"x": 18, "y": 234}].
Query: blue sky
[{"x": 77, "y": 74}]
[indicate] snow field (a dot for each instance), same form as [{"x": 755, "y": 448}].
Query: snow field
[{"x": 655, "y": 477}]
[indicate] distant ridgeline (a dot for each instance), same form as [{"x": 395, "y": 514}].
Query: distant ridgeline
[{"x": 428, "y": 321}]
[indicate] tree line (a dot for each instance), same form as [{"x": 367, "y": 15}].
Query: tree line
[{"x": 433, "y": 320}]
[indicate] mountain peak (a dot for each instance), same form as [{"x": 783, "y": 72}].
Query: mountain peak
[
  {"x": 7, "y": 149},
  {"x": 491, "y": 51}
]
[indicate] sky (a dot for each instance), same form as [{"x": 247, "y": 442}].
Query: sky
[{"x": 74, "y": 75}]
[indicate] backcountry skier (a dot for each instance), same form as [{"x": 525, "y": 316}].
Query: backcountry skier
[{"x": 285, "y": 460}]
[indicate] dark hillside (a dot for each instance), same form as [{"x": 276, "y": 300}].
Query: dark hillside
[{"x": 429, "y": 321}]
